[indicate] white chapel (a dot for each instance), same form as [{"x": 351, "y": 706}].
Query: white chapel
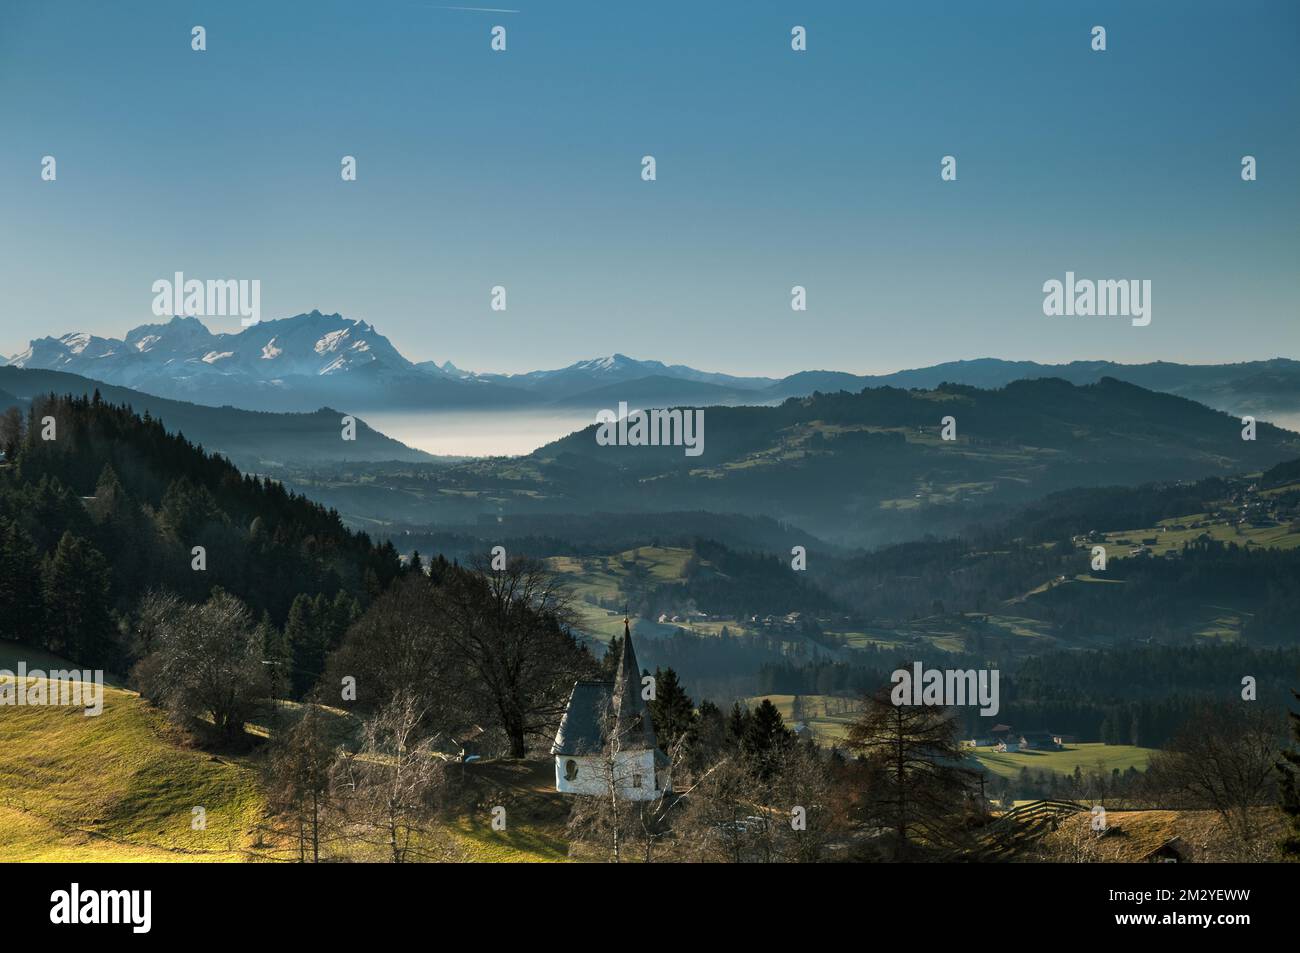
[{"x": 608, "y": 738}]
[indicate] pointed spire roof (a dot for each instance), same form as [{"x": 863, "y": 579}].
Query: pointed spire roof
[
  {"x": 631, "y": 714},
  {"x": 594, "y": 705}
]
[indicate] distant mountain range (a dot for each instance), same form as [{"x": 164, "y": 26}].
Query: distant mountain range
[{"x": 314, "y": 360}]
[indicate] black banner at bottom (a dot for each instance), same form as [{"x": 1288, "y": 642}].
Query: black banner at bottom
[{"x": 335, "y": 902}]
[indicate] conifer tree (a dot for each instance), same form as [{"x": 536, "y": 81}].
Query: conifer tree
[
  {"x": 302, "y": 633},
  {"x": 737, "y": 723},
  {"x": 276, "y": 657},
  {"x": 921, "y": 787},
  {"x": 20, "y": 587},
  {"x": 671, "y": 709},
  {"x": 76, "y": 584},
  {"x": 764, "y": 739}
]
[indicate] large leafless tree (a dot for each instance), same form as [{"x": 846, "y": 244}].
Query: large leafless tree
[
  {"x": 389, "y": 789},
  {"x": 509, "y": 631},
  {"x": 205, "y": 661}
]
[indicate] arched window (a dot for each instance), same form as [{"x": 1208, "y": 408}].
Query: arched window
[{"x": 570, "y": 770}]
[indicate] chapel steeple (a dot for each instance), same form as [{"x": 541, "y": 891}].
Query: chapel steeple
[{"x": 636, "y": 730}]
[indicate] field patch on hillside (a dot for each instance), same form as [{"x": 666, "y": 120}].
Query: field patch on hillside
[{"x": 1086, "y": 757}]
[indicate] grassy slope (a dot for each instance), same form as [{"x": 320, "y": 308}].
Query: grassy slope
[
  {"x": 604, "y": 578},
  {"x": 536, "y": 814},
  {"x": 827, "y": 727},
  {"x": 119, "y": 786}
]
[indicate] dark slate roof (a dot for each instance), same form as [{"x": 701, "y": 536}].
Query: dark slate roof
[
  {"x": 591, "y": 705},
  {"x": 581, "y": 729}
]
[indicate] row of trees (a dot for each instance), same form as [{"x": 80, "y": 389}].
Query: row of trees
[{"x": 476, "y": 646}]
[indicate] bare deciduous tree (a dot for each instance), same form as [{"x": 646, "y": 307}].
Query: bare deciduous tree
[
  {"x": 799, "y": 796},
  {"x": 391, "y": 786},
  {"x": 206, "y": 661}
]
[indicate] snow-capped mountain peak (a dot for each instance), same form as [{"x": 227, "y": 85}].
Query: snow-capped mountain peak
[{"x": 182, "y": 357}]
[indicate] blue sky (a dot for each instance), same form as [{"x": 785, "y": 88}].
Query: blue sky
[{"x": 775, "y": 168}]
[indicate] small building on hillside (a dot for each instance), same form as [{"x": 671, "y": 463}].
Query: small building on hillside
[
  {"x": 1173, "y": 851},
  {"x": 460, "y": 745},
  {"x": 1038, "y": 741},
  {"x": 607, "y": 737},
  {"x": 1009, "y": 745}
]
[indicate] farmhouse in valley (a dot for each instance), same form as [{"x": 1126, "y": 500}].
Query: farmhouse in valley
[
  {"x": 1007, "y": 740},
  {"x": 607, "y": 738},
  {"x": 1039, "y": 741}
]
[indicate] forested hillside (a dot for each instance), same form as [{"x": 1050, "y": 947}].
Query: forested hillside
[
  {"x": 112, "y": 506},
  {"x": 252, "y": 439}
]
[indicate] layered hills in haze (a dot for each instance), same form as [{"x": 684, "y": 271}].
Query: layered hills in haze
[
  {"x": 855, "y": 469},
  {"x": 253, "y": 440}
]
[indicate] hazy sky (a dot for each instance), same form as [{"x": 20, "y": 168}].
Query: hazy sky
[{"x": 775, "y": 168}]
